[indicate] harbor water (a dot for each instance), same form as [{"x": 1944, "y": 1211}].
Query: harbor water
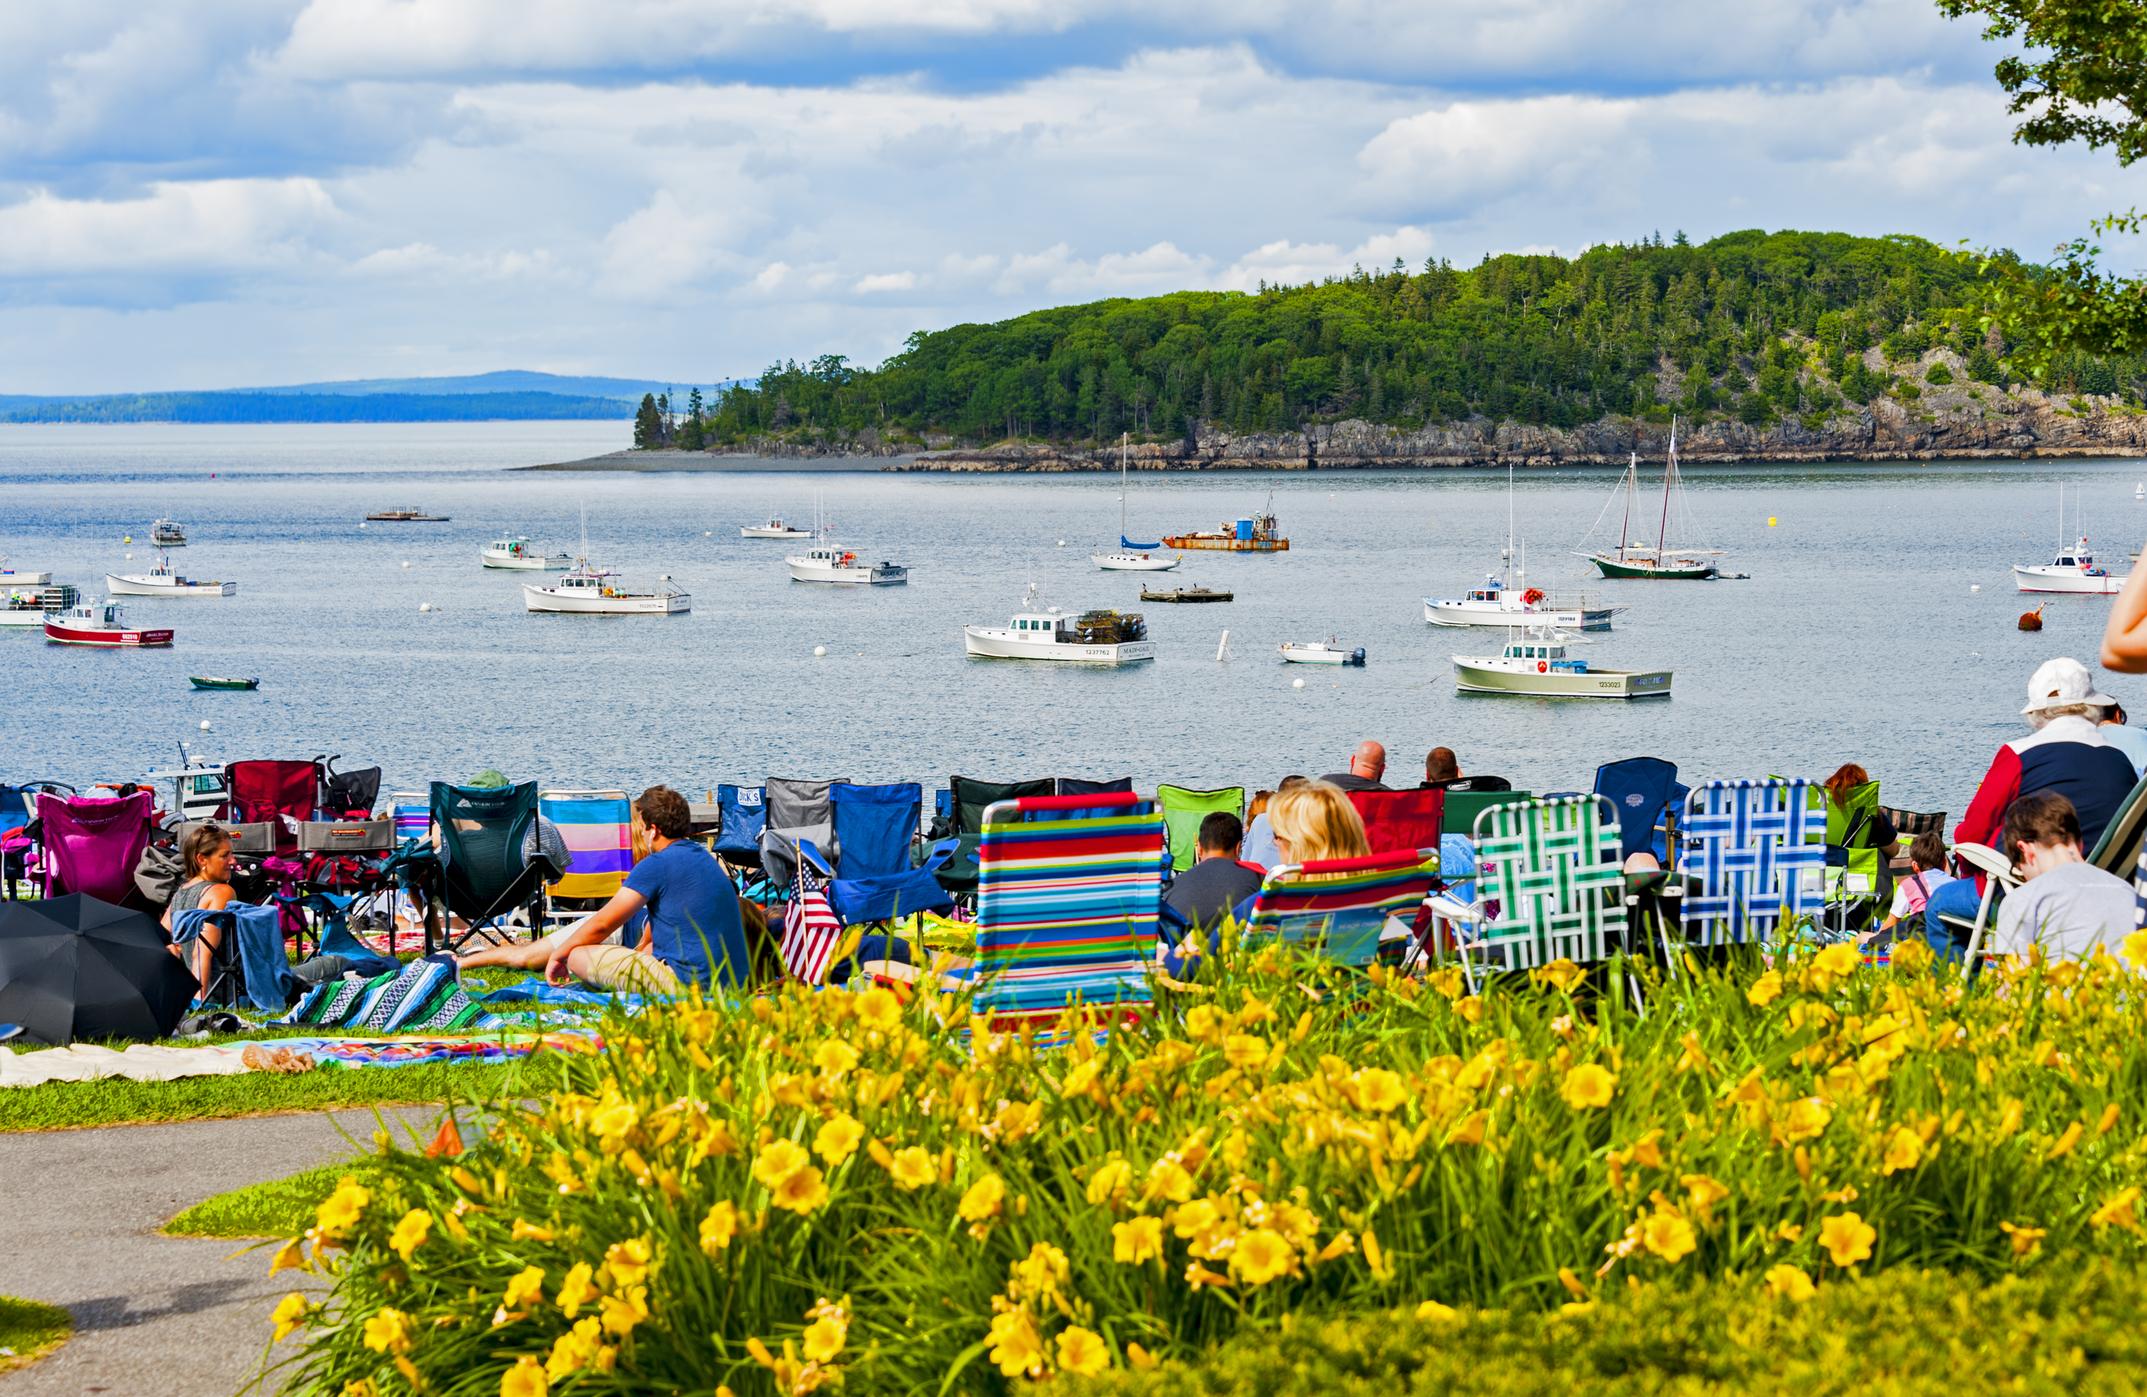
[{"x": 1859, "y": 635}]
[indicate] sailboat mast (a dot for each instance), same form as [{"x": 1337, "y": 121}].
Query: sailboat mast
[
  {"x": 1122, "y": 488},
  {"x": 1510, "y": 559},
  {"x": 1668, "y": 471},
  {"x": 1632, "y": 483}
]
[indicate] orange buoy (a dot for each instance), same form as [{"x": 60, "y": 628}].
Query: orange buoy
[{"x": 2032, "y": 620}]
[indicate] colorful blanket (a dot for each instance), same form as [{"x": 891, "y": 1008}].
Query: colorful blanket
[{"x": 426, "y": 996}]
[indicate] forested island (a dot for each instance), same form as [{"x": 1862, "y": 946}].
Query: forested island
[{"x": 1766, "y": 344}]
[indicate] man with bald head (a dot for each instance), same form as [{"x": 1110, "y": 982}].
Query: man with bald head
[{"x": 1366, "y": 765}]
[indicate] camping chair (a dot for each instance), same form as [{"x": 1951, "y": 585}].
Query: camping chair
[
  {"x": 1859, "y": 879},
  {"x": 1998, "y": 880},
  {"x": 874, "y": 826},
  {"x": 1400, "y": 820},
  {"x": 1647, "y": 795},
  {"x": 873, "y": 902},
  {"x": 1184, "y": 809},
  {"x": 282, "y": 794},
  {"x": 1551, "y": 870},
  {"x": 796, "y": 810},
  {"x": 1908, "y": 824},
  {"x": 1346, "y": 911},
  {"x": 1478, "y": 784},
  {"x": 347, "y": 794},
  {"x": 598, "y": 829},
  {"x": 91, "y": 846},
  {"x": 1754, "y": 857},
  {"x": 741, "y": 814},
  {"x": 18, "y": 861},
  {"x": 1462, "y": 807},
  {"x": 489, "y": 864},
  {"x": 968, "y": 799},
  {"x": 1067, "y": 901},
  {"x": 2118, "y": 850}
]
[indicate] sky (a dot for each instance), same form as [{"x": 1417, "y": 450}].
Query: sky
[{"x": 214, "y": 193}]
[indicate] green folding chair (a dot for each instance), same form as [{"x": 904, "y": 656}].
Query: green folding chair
[{"x": 1184, "y": 809}]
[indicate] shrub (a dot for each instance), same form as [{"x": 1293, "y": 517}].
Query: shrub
[
  {"x": 806, "y": 1186},
  {"x": 1938, "y": 373}
]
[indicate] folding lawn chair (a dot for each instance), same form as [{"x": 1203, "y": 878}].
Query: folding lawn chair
[
  {"x": 1347, "y": 911},
  {"x": 282, "y": 794},
  {"x": 598, "y": 829},
  {"x": 1400, "y": 820},
  {"x": 741, "y": 814},
  {"x": 2118, "y": 850},
  {"x": 1067, "y": 901},
  {"x": 18, "y": 856},
  {"x": 1754, "y": 857},
  {"x": 1550, "y": 886},
  {"x": 796, "y": 810},
  {"x": 1859, "y": 879},
  {"x": 489, "y": 863},
  {"x": 1462, "y": 807},
  {"x": 1998, "y": 880},
  {"x": 91, "y": 846},
  {"x": 967, "y": 801},
  {"x": 874, "y": 826},
  {"x": 1647, "y": 795},
  {"x": 1184, "y": 809}
]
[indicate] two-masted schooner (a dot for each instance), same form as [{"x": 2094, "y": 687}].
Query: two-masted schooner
[{"x": 1663, "y": 560}]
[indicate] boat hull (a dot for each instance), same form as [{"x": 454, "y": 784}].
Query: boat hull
[
  {"x": 145, "y": 587},
  {"x": 224, "y": 684},
  {"x": 1664, "y": 572},
  {"x": 35, "y": 617},
  {"x": 1131, "y": 562},
  {"x": 1474, "y": 677},
  {"x": 774, "y": 533},
  {"x": 994, "y": 643},
  {"x": 806, "y": 570},
  {"x": 559, "y": 562},
  {"x": 1307, "y": 655},
  {"x": 1186, "y": 594},
  {"x": 1461, "y": 612},
  {"x": 548, "y": 600},
  {"x": 1226, "y": 543},
  {"x": 129, "y": 639},
  {"x": 2068, "y": 580},
  {"x": 24, "y": 579}
]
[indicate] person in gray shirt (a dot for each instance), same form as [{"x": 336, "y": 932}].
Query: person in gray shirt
[
  {"x": 2066, "y": 905},
  {"x": 1205, "y": 893}
]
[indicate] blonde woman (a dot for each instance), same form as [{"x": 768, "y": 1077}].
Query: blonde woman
[{"x": 1316, "y": 821}]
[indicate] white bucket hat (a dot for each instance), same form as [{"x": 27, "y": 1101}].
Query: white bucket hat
[{"x": 2058, "y": 683}]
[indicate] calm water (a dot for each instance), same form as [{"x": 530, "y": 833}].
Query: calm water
[{"x": 1857, "y": 637}]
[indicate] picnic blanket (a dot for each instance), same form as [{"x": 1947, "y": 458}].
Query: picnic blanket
[
  {"x": 141, "y": 1062},
  {"x": 426, "y": 996}
]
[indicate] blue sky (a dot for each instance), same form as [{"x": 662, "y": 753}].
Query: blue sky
[{"x": 202, "y": 193}]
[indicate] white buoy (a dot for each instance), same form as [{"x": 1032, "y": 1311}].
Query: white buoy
[
  {"x": 406, "y": 565},
  {"x": 130, "y": 557},
  {"x": 1973, "y": 587},
  {"x": 424, "y": 606},
  {"x": 819, "y": 652},
  {"x": 709, "y": 534},
  {"x": 361, "y": 526},
  {"x": 204, "y": 725},
  {"x": 1062, "y": 543},
  {"x": 1297, "y": 683}
]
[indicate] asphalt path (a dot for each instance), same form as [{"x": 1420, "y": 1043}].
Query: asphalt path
[{"x": 155, "y": 1316}]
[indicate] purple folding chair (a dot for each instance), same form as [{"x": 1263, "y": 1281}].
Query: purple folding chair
[{"x": 92, "y": 846}]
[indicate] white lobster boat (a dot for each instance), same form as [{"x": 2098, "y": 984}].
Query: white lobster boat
[
  {"x": 774, "y": 528},
  {"x": 514, "y": 553},
  {"x": 1094, "y": 637},
  {"x": 1496, "y": 604},
  {"x": 165, "y": 534},
  {"x": 10, "y": 577},
  {"x": 832, "y": 564},
  {"x": 105, "y": 625},
  {"x": 1321, "y": 652},
  {"x": 592, "y": 591},
  {"x": 2073, "y": 571},
  {"x": 161, "y": 581},
  {"x": 1536, "y": 664}
]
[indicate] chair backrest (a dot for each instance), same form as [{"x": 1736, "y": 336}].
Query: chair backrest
[
  {"x": 971, "y": 798},
  {"x": 1640, "y": 789},
  {"x": 1184, "y": 809},
  {"x": 1337, "y": 908},
  {"x": 1477, "y": 784},
  {"x": 272, "y": 793},
  {"x": 2118, "y": 850},
  {"x": 1462, "y": 807},
  {"x": 874, "y": 826},
  {"x": 743, "y": 814},
  {"x": 350, "y": 792},
  {"x": 92, "y": 846},
  {"x": 598, "y": 827},
  {"x": 795, "y": 804},
  {"x": 14, "y": 808},
  {"x": 1553, "y": 868},
  {"x": 1910, "y": 823},
  {"x": 1067, "y": 901},
  {"x": 1076, "y": 786},
  {"x": 483, "y": 830},
  {"x": 1758, "y": 849},
  {"x": 413, "y": 815},
  {"x": 1400, "y": 820}
]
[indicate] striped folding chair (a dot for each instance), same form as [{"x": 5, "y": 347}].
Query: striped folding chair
[
  {"x": 1343, "y": 910},
  {"x": 1758, "y": 851},
  {"x": 1550, "y": 884},
  {"x": 1068, "y": 889},
  {"x": 598, "y": 827}
]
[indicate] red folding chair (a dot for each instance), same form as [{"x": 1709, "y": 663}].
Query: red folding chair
[
  {"x": 282, "y": 794},
  {"x": 1400, "y": 820}
]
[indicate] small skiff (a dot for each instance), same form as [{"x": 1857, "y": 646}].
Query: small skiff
[
  {"x": 209, "y": 682},
  {"x": 774, "y": 528},
  {"x": 1321, "y": 652}
]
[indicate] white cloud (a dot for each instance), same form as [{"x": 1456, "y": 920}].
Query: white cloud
[
  {"x": 424, "y": 262},
  {"x": 662, "y": 250},
  {"x": 1292, "y": 264},
  {"x": 886, "y": 281},
  {"x": 208, "y": 226},
  {"x": 771, "y": 276}
]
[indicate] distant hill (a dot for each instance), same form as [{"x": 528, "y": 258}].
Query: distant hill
[
  {"x": 257, "y": 406},
  {"x": 503, "y": 381}
]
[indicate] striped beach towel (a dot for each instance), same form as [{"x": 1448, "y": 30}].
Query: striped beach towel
[
  {"x": 598, "y": 829},
  {"x": 1067, "y": 896},
  {"x": 810, "y": 927},
  {"x": 1339, "y": 908},
  {"x": 426, "y": 996}
]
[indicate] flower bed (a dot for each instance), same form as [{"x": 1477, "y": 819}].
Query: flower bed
[{"x": 823, "y": 1187}]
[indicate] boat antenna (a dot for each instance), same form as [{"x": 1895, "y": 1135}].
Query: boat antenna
[
  {"x": 1509, "y": 521},
  {"x": 1669, "y": 472}
]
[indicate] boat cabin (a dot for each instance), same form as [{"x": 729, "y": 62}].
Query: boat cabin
[
  {"x": 1544, "y": 657},
  {"x": 1038, "y": 625},
  {"x": 1490, "y": 594},
  {"x": 513, "y": 547},
  {"x": 833, "y": 557}
]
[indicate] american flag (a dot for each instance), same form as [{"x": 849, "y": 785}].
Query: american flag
[{"x": 810, "y": 929}]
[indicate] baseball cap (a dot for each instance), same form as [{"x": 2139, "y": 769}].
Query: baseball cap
[{"x": 2060, "y": 682}]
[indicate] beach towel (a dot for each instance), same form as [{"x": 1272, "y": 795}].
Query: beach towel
[
  {"x": 262, "y": 958},
  {"x": 426, "y": 997}
]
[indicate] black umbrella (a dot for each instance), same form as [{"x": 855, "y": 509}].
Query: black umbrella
[{"x": 73, "y": 967}]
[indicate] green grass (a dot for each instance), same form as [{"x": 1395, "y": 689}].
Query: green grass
[
  {"x": 30, "y": 1330},
  {"x": 117, "y": 1101},
  {"x": 279, "y": 1208}
]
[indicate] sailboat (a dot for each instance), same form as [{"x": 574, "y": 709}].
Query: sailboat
[
  {"x": 1498, "y": 604},
  {"x": 1661, "y": 562},
  {"x": 1133, "y": 557}
]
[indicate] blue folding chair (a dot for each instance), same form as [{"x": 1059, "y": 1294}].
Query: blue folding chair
[
  {"x": 1646, "y": 793},
  {"x": 1757, "y": 852},
  {"x": 741, "y": 814},
  {"x": 873, "y": 827}
]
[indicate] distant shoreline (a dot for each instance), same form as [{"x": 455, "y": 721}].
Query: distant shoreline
[{"x": 661, "y": 462}]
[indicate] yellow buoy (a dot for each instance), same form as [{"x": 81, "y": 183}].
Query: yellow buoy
[{"x": 1770, "y": 521}]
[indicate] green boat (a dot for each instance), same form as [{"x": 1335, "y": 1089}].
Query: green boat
[
  {"x": 1661, "y": 562},
  {"x": 203, "y": 682}
]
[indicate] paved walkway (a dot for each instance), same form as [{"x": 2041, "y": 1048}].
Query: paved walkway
[{"x": 154, "y": 1316}]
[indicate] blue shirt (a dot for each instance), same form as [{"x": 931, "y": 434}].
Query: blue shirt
[
  {"x": 693, "y": 914},
  {"x": 2128, "y": 740}
]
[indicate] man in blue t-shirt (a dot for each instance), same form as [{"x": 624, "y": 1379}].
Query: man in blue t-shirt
[{"x": 694, "y": 934}]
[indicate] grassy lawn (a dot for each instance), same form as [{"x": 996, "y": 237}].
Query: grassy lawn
[
  {"x": 29, "y": 1331},
  {"x": 279, "y": 1208}
]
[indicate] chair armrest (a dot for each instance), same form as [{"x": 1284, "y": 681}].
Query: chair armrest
[{"x": 1988, "y": 860}]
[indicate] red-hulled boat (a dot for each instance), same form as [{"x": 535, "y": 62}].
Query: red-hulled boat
[{"x": 93, "y": 624}]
